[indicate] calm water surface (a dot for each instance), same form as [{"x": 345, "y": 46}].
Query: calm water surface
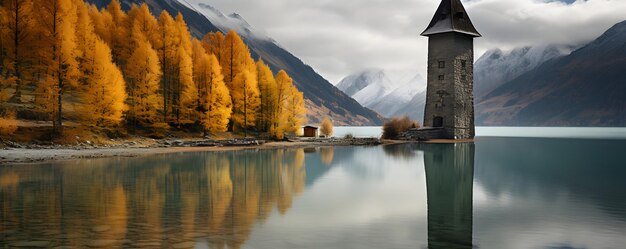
[{"x": 494, "y": 193}]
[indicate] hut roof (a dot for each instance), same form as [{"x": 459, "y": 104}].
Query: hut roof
[{"x": 451, "y": 17}]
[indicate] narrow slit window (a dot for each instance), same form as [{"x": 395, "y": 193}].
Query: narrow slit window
[
  {"x": 463, "y": 63},
  {"x": 442, "y": 77},
  {"x": 442, "y": 64}
]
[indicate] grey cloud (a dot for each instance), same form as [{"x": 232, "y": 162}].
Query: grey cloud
[{"x": 338, "y": 38}]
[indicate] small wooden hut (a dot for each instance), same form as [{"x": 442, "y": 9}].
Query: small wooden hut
[{"x": 310, "y": 131}]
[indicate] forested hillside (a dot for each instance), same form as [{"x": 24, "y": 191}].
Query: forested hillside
[{"x": 66, "y": 61}]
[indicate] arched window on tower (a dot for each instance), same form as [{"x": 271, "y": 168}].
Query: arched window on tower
[{"x": 438, "y": 122}]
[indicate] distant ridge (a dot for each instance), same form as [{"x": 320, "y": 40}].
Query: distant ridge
[
  {"x": 584, "y": 88},
  {"x": 322, "y": 98}
]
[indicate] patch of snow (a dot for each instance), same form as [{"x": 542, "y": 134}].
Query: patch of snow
[
  {"x": 373, "y": 89},
  {"x": 496, "y": 67},
  {"x": 229, "y": 22},
  {"x": 354, "y": 83}
]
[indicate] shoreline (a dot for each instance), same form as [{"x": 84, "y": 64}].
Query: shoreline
[{"x": 16, "y": 156}]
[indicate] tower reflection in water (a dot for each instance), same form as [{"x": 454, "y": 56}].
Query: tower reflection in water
[{"x": 449, "y": 181}]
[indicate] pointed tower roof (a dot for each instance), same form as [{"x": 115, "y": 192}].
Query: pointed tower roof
[{"x": 451, "y": 17}]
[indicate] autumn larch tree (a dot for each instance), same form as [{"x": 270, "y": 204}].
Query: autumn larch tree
[
  {"x": 245, "y": 93},
  {"x": 234, "y": 57},
  {"x": 6, "y": 81},
  {"x": 283, "y": 82},
  {"x": 102, "y": 99},
  {"x": 186, "y": 93},
  {"x": 85, "y": 42},
  {"x": 19, "y": 34},
  {"x": 267, "y": 89},
  {"x": 215, "y": 101},
  {"x": 295, "y": 114},
  {"x": 143, "y": 75},
  {"x": 213, "y": 43},
  {"x": 118, "y": 33},
  {"x": 57, "y": 20},
  {"x": 140, "y": 20}
]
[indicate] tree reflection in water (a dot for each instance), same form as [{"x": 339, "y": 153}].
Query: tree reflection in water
[{"x": 164, "y": 201}]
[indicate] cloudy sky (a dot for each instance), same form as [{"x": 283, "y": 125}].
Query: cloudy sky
[{"x": 340, "y": 37}]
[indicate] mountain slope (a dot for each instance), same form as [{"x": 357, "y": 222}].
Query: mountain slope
[
  {"x": 585, "y": 88},
  {"x": 366, "y": 87},
  {"x": 373, "y": 89},
  {"x": 402, "y": 100},
  {"x": 496, "y": 67},
  {"x": 322, "y": 98},
  {"x": 414, "y": 108}
]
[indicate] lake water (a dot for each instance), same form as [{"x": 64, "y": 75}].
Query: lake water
[
  {"x": 499, "y": 192},
  {"x": 545, "y": 132}
]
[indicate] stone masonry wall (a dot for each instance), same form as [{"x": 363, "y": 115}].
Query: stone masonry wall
[{"x": 450, "y": 88}]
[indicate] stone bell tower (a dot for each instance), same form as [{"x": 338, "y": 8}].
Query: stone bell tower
[{"x": 450, "y": 94}]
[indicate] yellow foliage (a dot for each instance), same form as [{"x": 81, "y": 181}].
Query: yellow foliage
[
  {"x": 188, "y": 93},
  {"x": 118, "y": 33},
  {"x": 290, "y": 112},
  {"x": 215, "y": 101},
  {"x": 327, "y": 127},
  {"x": 71, "y": 47},
  {"x": 8, "y": 124},
  {"x": 234, "y": 58},
  {"x": 102, "y": 99},
  {"x": 17, "y": 28},
  {"x": 183, "y": 33},
  {"x": 58, "y": 51},
  {"x": 143, "y": 74},
  {"x": 245, "y": 94},
  {"x": 267, "y": 89},
  {"x": 144, "y": 26},
  {"x": 85, "y": 41},
  {"x": 295, "y": 114},
  {"x": 213, "y": 43}
]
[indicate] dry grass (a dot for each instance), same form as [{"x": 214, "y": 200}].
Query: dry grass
[
  {"x": 8, "y": 124},
  {"x": 397, "y": 125}
]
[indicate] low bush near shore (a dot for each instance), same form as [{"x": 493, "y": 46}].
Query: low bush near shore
[{"x": 397, "y": 125}]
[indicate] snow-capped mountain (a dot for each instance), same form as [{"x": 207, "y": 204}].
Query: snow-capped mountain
[
  {"x": 496, "y": 67},
  {"x": 373, "y": 89},
  {"x": 585, "y": 88},
  {"x": 367, "y": 86},
  {"x": 395, "y": 103}
]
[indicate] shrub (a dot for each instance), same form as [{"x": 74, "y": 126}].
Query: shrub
[
  {"x": 8, "y": 123},
  {"x": 327, "y": 128},
  {"x": 348, "y": 136},
  {"x": 394, "y": 127}
]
